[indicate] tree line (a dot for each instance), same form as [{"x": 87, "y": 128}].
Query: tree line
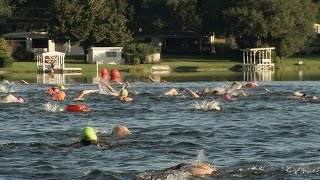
[{"x": 286, "y": 25}]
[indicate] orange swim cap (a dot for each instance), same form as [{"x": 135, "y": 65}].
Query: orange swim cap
[{"x": 59, "y": 96}]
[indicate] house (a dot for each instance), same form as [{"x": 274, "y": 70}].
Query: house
[{"x": 34, "y": 41}]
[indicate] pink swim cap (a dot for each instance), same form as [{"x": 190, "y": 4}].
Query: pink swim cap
[
  {"x": 227, "y": 96},
  {"x": 20, "y": 99}
]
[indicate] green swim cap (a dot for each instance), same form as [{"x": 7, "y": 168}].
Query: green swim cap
[
  {"x": 123, "y": 92},
  {"x": 88, "y": 134}
]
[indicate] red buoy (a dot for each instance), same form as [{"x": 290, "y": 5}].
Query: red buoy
[
  {"x": 77, "y": 108},
  {"x": 115, "y": 75},
  {"x": 104, "y": 73}
]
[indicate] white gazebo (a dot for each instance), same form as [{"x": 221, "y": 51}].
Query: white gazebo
[
  {"x": 54, "y": 60},
  {"x": 257, "y": 58},
  {"x": 48, "y": 60}
]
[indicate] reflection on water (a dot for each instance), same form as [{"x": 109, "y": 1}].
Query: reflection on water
[
  {"x": 171, "y": 77},
  {"x": 301, "y": 75},
  {"x": 260, "y": 75},
  {"x": 46, "y": 78}
]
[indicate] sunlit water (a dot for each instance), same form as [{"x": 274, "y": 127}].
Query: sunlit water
[{"x": 265, "y": 135}]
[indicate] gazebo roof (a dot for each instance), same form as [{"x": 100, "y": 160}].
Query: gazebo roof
[
  {"x": 53, "y": 53},
  {"x": 257, "y": 49}
]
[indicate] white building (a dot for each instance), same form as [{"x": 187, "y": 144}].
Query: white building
[{"x": 105, "y": 55}]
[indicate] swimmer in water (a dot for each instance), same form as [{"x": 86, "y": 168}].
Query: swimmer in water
[
  {"x": 88, "y": 136},
  {"x": 120, "y": 131},
  {"x": 122, "y": 94},
  {"x": 299, "y": 95},
  {"x": 203, "y": 168},
  {"x": 84, "y": 93},
  {"x": 12, "y": 99},
  {"x": 181, "y": 91},
  {"x": 59, "y": 94},
  {"x": 234, "y": 90}
]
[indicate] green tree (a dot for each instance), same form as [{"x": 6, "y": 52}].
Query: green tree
[
  {"x": 185, "y": 15},
  {"x": 162, "y": 16},
  {"x": 88, "y": 23},
  {"x": 287, "y": 25},
  {"x": 5, "y": 14},
  {"x": 150, "y": 16},
  {"x": 212, "y": 16},
  {"x": 291, "y": 25},
  {"x": 246, "y": 22}
]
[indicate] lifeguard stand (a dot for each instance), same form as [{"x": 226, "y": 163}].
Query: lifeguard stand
[{"x": 48, "y": 60}]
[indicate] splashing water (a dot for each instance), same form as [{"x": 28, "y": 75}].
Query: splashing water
[
  {"x": 103, "y": 130},
  {"x": 52, "y": 107},
  {"x": 211, "y": 105},
  {"x": 103, "y": 89},
  {"x": 200, "y": 157},
  {"x": 5, "y": 89},
  {"x": 178, "y": 176}
]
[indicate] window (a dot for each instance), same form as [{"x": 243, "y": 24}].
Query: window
[
  {"x": 39, "y": 43},
  {"x": 111, "y": 54}
]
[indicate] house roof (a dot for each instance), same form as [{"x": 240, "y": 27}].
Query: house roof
[{"x": 32, "y": 34}]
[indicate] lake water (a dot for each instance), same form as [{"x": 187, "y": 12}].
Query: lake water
[{"x": 265, "y": 135}]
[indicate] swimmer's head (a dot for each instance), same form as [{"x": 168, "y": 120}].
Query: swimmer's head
[
  {"x": 88, "y": 134},
  {"x": 202, "y": 169},
  {"x": 123, "y": 92},
  {"x": 121, "y": 131},
  {"x": 62, "y": 87},
  {"x": 206, "y": 90},
  {"x": 21, "y": 99},
  {"x": 54, "y": 88},
  {"x": 227, "y": 96}
]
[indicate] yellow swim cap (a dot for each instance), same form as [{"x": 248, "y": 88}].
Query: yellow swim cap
[
  {"x": 123, "y": 92},
  {"x": 62, "y": 87},
  {"x": 88, "y": 134}
]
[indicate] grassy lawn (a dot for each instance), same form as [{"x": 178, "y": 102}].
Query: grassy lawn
[{"x": 310, "y": 63}]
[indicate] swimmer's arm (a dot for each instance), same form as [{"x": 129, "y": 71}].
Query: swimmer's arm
[
  {"x": 236, "y": 83},
  {"x": 151, "y": 79},
  {"x": 108, "y": 86},
  {"x": 128, "y": 85},
  {"x": 85, "y": 92},
  {"x": 172, "y": 91},
  {"x": 192, "y": 93}
]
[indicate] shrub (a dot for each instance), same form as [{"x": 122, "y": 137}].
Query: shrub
[
  {"x": 137, "y": 53},
  {"x": 5, "y": 59},
  {"x": 222, "y": 49},
  {"x": 4, "y": 45},
  {"x": 21, "y": 54}
]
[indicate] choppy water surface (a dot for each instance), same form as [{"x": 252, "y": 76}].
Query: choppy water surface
[{"x": 265, "y": 135}]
